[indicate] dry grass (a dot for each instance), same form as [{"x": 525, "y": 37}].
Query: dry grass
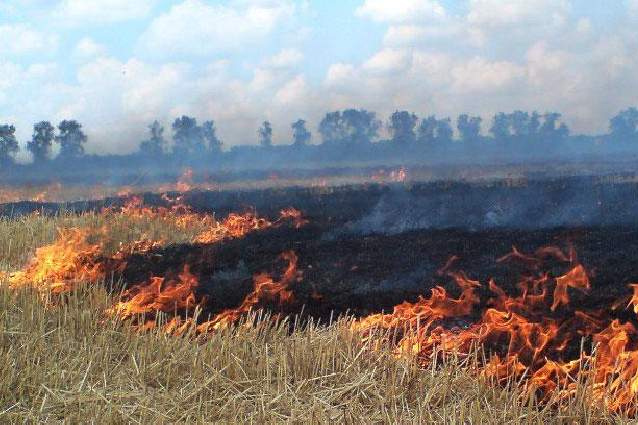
[
  {"x": 19, "y": 237},
  {"x": 71, "y": 364}
]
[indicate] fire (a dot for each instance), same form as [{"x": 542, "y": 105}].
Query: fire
[
  {"x": 399, "y": 175},
  {"x": 266, "y": 290},
  {"x": 171, "y": 296},
  {"x": 534, "y": 337},
  {"x": 238, "y": 225},
  {"x": 185, "y": 181},
  {"x": 293, "y": 215},
  {"x": 57, "y": 266},
  {"x": 234, "y": 226},
  {"x": 71, "y": 259},
  {"x": 160, "y": 294}
]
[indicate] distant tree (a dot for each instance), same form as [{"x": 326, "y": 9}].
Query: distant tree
[
  {"x": 426, "y": 132},
  {"x": 265, "y": 134},
  {"x": 469, "y": 127},
  {"x": 41, "y": 141},
  {"x": 155, "y": 144},
  {"x": 625, "y": 124},
  {"x": 401, "y": 126},
  {"x": 432, "y": 130},
  {"x": 500, "y": 126},
  {"x": 352, "y": 126},
  {"x": 360, "y": 126},
  {"x": 187, "y": 136},
  {"x": 300, "y": 135},
  {"x": 552, "y": 128},
  {"x": 71, "y": 139},
  {"x": 444, "y": 130},
  {"x": 331, "y": 128},
  {"x": 519, "y": 122},
  {"x": 8, "y": 143},
  {"x": 534, "y": 124},
  {"x": 209, "y": 133}
]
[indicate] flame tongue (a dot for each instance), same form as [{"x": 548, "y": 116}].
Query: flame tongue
[
  {"x": 174, "y": 296},
  {"x": 266, "y": 290},
  {"x": 159, "y": 295},
  {"x": 535, "y": 335},
  {"x": 71, "y": 258},
  {"x": 56, "y": 267}
]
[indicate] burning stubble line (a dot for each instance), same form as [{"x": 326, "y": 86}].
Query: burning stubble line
[
  {"x": 531, "y": 342},
  {"x": 413, "y": 333}
]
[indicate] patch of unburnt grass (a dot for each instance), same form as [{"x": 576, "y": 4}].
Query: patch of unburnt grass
[{"x": 69, "y": 362}]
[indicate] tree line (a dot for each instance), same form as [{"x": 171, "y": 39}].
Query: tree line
[{"x": 349, "y": 127}]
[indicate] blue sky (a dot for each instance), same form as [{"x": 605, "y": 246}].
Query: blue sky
[{"x": 116, "y": 65}]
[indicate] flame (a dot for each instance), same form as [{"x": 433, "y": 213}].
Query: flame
[
  {"x": 238, "y": 225},
  {"x": 185, "y": 180},
  {"x": 531, "y": 336},
  {"x": 57, "y": 266},
  {"x": 293, "y": 215},
  {"x": 266, "y": 290},
  {"x": 71, "y": 259},
  {"x": 171, "y": 296},
  {"x": 399, "y": 175},
  {"x": 160, "y": 294}
]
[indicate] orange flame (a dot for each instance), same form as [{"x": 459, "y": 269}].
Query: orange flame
[
  {"x": 527, "y": 336},
  {"x": 55, "y": 267},
  {"x": 72, "y": 259},
  {"x": 159, "y": 295}
]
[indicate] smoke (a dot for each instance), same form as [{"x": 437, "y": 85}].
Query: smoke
[{"x": 573, "y": 202}]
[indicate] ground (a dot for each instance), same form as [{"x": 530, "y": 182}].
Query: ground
[{"x": 362, "y": 251}]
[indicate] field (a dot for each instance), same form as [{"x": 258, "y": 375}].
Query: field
[{"x": 508, "y": 302}]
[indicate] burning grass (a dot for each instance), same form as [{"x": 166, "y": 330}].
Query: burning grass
[
  {"x": 478, "y": 352},
  {"x": 73, "y": 364}
]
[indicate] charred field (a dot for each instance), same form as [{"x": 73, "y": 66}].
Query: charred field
[{"x": 515, "y": 297}]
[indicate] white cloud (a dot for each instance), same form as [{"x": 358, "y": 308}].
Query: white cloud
[
  {"x": 515, "y": 22},
  {"x": 286, "y": 58},
  {"x": 491, "y": 56},
  {"x": 19, "y": 39},
  {"x": 401, "y": 11},
  {"x": 340, "y": 74},
  {"x": 404, "y": 34},
  {"x": 10, "y": 74},
  {"x": 87, "y": 48},
  {"x": 410, "y": 35},
  {"x": 133, "y": 93},
  {"x": 294, "y": 91},
  {"x": 84, "y": 12},
  {"x": 480, "y": 75},
  {"x": 583, "y": 26},
  {"x": 388, "y": 61},
  {"x": 498, "y": 56},
  {"x": 196, "y": 28},
  {"x": 495, "y": 13}
]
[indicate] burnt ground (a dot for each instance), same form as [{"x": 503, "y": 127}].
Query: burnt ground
[
  {"x": 366, "y": 274},
  {"x": 395, "y": 208},
  {"x": 367, "y": 248}
]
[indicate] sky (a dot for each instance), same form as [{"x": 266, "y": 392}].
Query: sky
[{"x": 117, "y": 65}]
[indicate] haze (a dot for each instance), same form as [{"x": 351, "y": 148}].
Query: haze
[{"x": 116, "y": 65}]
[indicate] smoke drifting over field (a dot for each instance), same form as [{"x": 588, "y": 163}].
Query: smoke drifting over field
[{"x": 534, "y": 205}]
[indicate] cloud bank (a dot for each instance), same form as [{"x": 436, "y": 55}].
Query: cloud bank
[{"x": 243, "y": 61}]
